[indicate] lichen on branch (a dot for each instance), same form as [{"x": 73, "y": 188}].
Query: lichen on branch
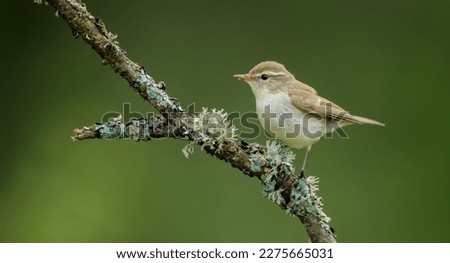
[{"x": 271, "y": 164}]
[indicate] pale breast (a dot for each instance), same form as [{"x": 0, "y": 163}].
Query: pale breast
[{"x": 287, "y": 123}]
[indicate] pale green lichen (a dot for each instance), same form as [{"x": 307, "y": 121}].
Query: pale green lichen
[
  {"x": 214, "y": 123},
  {"x": 276, "y": 159},
  {"x": 212, "y": 129},
  {"x": 156, "y": 93},
  {"x": 257, "y": 160},
  {"x": 276, "y": 156},
  {"x": 138, "y": 129},
  {"x": 269, "y": 187},
  {"x": 188, "y": 149},
  {"x": 304, "y": 199},
  {"x": 281, "y": 157},
  {"x": 112, "y": 129},
  {"x": 276, "y": 197}
]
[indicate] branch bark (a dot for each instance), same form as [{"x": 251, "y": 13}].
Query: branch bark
[{"x": 271, "y": 164}]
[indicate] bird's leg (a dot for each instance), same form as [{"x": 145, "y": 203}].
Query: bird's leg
[{"x": 302, "y": 173}]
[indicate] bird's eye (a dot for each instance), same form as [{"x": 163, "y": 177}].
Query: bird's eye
[{"x": 264, "y": 76}]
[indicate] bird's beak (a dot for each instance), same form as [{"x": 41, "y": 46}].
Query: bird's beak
[{"x": 245, "y": 77}]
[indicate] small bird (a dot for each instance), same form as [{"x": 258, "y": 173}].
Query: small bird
[{"x": 292, "y": 111}]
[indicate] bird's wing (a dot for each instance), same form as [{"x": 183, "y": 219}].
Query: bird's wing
[{"x": 305, "y": 98}]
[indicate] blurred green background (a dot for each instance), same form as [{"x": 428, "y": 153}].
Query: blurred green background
[{"x": 387, "y": 60}]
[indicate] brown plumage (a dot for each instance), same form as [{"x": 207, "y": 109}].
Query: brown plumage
[
  {"x": 303, "y": 97},
  {"x": 306, "y": 98}
]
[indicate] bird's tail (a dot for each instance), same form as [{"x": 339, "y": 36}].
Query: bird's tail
[{"x": 363, "y": 120}]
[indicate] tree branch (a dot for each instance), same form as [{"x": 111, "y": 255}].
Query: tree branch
[{"x": 271, "y": 164}]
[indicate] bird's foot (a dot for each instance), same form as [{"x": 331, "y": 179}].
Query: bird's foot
[{"x": 302, "y": 174}]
